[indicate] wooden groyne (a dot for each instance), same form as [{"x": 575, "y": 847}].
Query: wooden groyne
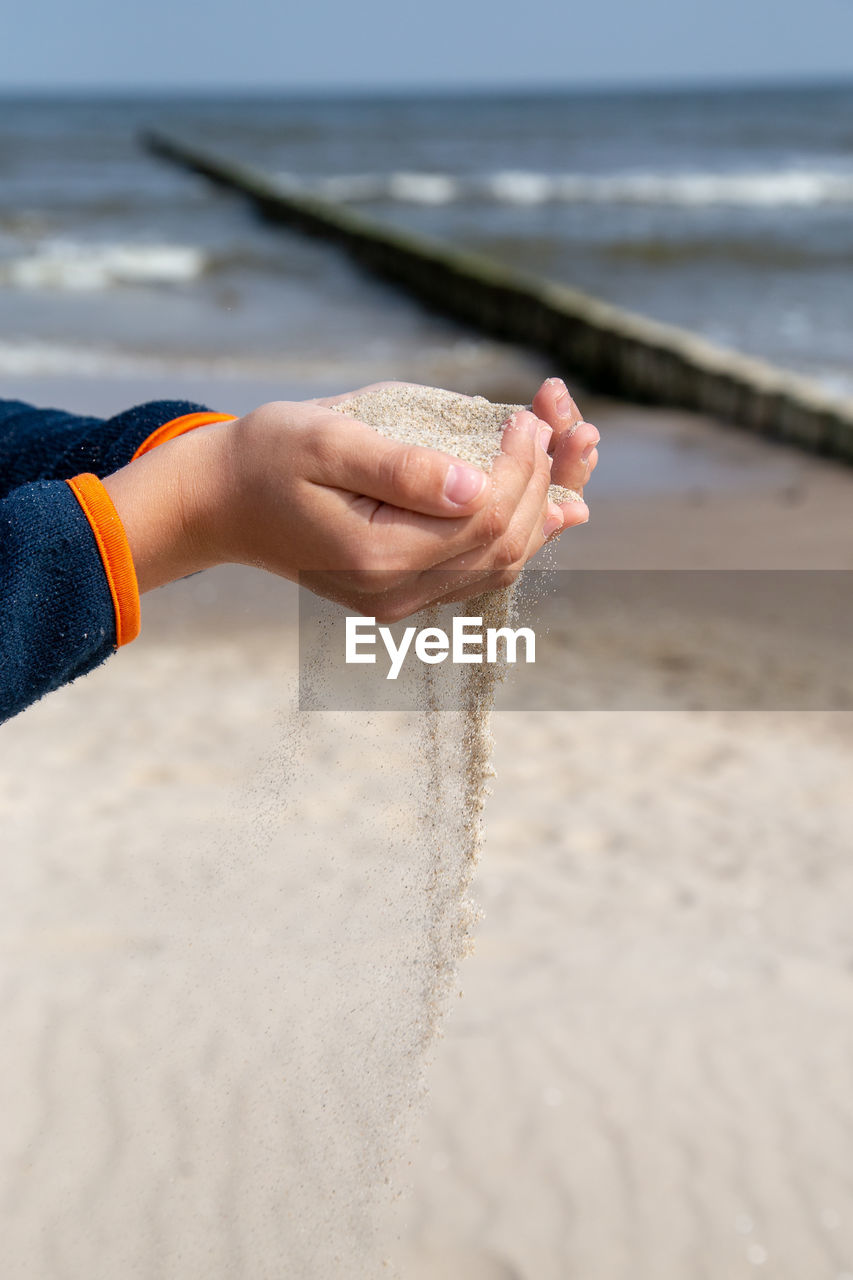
[{"x": 606, "y": 347}]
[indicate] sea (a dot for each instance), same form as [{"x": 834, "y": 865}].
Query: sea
[{"x": 727, "y": 211}]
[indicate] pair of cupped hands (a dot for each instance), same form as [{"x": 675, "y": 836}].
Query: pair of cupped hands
[{"x": 383, "y": 527}]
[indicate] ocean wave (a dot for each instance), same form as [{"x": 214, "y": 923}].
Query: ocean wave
[
  {"x": 69, "y": 266},
  {"x": 794, "y": 187},
  {"x": 366, "y": 188},
  {"x": 802, "y": 188},
  {"x": 32, "y": 359}
]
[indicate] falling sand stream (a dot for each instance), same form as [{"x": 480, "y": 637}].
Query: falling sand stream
[{"x": 435, "y": 846}]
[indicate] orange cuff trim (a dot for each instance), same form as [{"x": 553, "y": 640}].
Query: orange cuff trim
[
  {"x": 178, "y": 427},
  {"x": 115, "y": 553}
]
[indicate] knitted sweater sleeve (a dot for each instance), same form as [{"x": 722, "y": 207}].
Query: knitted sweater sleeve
[
  {"x": 49, "y": 444},
  {"x": 56, "y": 611},
  {"x": 62, "y": 548}
]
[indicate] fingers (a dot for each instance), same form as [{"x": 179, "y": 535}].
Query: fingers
[
  {"x": 388, "y": 546},
  {"x": 526, "y": 533},
  {"x": 397, "y": 543},
  {"x": 541, "y": 519},
  {"x": 574, "y": 441},
  {"x": 574, "y": 514},
  {"x": 469, "y": 575},
  {"x": 523, "y": 460},
  {"x": 576, "y": 457},
  {"x": 407, "y": 487},
  {"x": 555, "y": 406},
  {"x": 526, "y": 469},
  {"x": 592, "y": 463},
  {"x": 522, "y": 475},
  {"x": 352, "y": 456}
]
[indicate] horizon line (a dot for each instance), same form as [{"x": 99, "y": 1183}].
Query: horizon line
[{"x": 756, "y": 82}]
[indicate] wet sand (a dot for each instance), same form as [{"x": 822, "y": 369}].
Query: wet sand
[{"x": 648, "y": 1075}]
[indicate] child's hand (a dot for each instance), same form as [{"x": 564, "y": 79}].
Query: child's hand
[
  {"x": 573, "y": 444},
  {"x": 305, "y": 492}
]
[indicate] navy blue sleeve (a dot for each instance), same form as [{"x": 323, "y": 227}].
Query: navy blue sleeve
[
  {"x": 49, "y": 444},
  {"x": 56, "y": 612}
]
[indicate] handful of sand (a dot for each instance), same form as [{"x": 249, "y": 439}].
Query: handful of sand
[{"x": 467, "y": 427}]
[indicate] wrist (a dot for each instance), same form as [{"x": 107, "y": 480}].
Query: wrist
[{"x": 169, "y": 502}]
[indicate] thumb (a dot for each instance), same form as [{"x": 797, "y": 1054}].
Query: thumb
[{"x": 356, "y": 458}]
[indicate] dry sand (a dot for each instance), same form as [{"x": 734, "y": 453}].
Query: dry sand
[
  {"x": 649, "y": 1075},
  {"x": 468, "y": 427}
]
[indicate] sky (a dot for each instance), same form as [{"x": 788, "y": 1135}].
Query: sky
[{"x": 393, "y": 44}]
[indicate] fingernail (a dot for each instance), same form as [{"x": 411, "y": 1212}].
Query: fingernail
[
  {"x": 532, "y": 426},
  {"x": 553, "y": 522},
  {"x": 463, "y": 484},
  {"x": 564, "y": 402},
  {"x": 545, "y": 437},
  {"x": 590, "y": 449}
]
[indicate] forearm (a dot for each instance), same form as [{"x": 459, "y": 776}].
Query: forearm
[{"x": 69, "y": 594}]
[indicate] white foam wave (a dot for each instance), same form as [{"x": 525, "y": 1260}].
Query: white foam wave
[
  {"x": 789, "y": 187},
  {"x": 33, "y": 359},
  {"x": 402, "y": 186},
  {"x": 793, "y": 187},
  {"x": 428, "y": 362},
  {"x": 422, "y": 188},
  {"x": 517, "y": 187},
  {"x": 66, "y": 265},
  {"x": 25, "y": 358}
]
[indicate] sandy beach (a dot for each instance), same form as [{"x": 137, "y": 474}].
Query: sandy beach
[{"x": 212, "y": 981}]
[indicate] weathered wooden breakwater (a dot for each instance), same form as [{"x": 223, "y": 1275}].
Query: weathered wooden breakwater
[{"x": 608, "y": 348}]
